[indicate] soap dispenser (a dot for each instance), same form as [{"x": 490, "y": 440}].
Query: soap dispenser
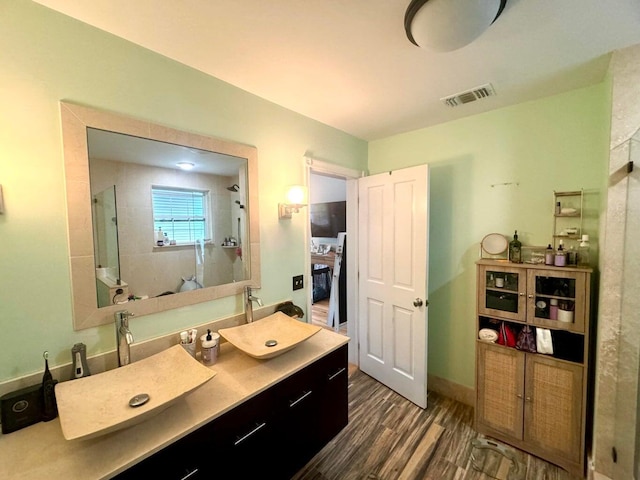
[{"x": 79, "y": 360}]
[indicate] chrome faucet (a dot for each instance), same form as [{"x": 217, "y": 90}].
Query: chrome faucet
[
  {"x": 124, "y": 337},
  {"x": 248, "y": 303}
]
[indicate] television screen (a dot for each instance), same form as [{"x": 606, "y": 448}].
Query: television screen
[{"x": 328, "y": 219}]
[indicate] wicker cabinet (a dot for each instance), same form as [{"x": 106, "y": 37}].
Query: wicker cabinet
[
  {"x": 500, "y": 387},
  {"x": 533, "y": 401}
]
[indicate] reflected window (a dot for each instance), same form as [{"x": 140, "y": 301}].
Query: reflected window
[{"x": 181, "y": 214}]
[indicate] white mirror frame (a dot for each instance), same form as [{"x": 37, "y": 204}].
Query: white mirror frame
[{"x": 75, "y": 120}]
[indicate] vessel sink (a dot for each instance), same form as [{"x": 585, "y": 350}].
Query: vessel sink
[
  {"x": 99, "y": 404},
  {"x": 270, "y": 336}
]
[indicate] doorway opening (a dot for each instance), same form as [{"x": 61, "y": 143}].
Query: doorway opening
[
  {"x": 333, "y": 204},
  {"x": 328, "y": 226}
]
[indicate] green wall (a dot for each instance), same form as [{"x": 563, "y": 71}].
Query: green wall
[
  {"x": 46, "y": 57},
  {"x": 556, "y": 143}
]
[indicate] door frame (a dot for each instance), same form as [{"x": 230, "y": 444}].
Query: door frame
[{"x": 313, "y": 165}]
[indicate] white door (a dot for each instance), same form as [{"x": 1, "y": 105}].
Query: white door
[{"x": 392, "y": 323}]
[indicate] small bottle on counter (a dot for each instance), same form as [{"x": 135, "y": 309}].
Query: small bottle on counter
[
  {"x": 515, "y": 249},
  {"x": 210, "y": 346},
  {"x": 560, "y": 259},
  {"x": 548, "y": 256}
]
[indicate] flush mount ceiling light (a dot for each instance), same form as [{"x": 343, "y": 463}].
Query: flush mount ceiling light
[
  {"x": 446, "y": 25},
  {"x": 185, "y": 165}
]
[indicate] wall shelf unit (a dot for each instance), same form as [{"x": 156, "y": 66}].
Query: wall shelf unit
[{"x": 567, "y": 218}]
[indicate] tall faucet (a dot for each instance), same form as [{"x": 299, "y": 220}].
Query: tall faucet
[
  {"x": 124, "y": 337},
  {"x": 248, "y": 303}
]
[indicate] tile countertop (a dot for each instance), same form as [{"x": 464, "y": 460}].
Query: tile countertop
[{"x": 40, "y": 451}]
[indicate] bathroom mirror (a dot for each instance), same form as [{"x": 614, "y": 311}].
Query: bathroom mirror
[{"x": 140, "y": 227}]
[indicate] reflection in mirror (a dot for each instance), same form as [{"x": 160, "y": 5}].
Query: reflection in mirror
[
  {"x": 181, "y": 228},
  {"x": 144, "y": 228}
]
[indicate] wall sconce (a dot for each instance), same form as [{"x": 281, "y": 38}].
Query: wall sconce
[{"x": 296, "y": 199}]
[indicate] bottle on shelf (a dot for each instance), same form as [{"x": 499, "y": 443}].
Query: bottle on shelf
[
  {"x": 515, "y": 249},
  {"x": 553, "y": 309},
  {"x": 160, "y": 237},
  {"x": 583, "y": 252},
  {"x": 548, "y": 255},
  {"x": 560, "y": 258}
]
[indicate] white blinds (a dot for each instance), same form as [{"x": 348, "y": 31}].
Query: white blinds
[{"x": 181, "y": 213}]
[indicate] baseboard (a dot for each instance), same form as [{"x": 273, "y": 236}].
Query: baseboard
[{"x": 453, "y": 390}]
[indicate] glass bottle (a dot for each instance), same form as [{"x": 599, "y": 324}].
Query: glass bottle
[
  {"x": 515, "y": 249},
  {"x": 548, "y": 256},
  {"x": 560, "y": 259},
  {"x": 583, "y": 252}
]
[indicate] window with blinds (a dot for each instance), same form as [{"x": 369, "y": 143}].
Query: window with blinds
[{"x": 183, "y": 214}]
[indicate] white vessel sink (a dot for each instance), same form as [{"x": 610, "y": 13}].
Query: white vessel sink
[
  {"x": 256, "y": 338},
  {"x": 99, "y": 404}
]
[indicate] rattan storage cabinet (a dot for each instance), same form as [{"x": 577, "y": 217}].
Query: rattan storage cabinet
[{"x": 535, "y": 402}]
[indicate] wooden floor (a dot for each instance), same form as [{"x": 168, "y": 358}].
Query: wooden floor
[
  {"x": 390, "y": 438},
  {"x": 319, "y": 312}
]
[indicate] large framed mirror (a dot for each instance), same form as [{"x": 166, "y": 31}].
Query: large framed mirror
[{"x": 158, "y": 218}]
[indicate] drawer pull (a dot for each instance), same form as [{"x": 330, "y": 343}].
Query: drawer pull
[
  {"x": 331, "y": 377},
  {"x": 240, "y": 440},
  {"x": 190, "y": 474},
  {"x": 294, "y": 403}
]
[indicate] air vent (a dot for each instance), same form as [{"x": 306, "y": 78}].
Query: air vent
[{"x": 469, "y": 96}]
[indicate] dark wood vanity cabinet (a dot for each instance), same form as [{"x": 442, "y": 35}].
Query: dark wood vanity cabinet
[{"x": 271, "y": 435}]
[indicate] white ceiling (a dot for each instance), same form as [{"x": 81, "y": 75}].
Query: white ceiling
[{"x": 349, "y": 64}]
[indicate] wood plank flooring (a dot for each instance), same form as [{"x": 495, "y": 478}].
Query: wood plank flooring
[
  {"x": 319, "y": 312},
  {"x": 390, "y": 438}
]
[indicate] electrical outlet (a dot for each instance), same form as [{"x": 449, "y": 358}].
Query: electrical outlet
[{"x": 298, "y": 282}]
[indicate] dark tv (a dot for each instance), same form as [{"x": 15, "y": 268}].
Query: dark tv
[{"x": 328, "y": 219}]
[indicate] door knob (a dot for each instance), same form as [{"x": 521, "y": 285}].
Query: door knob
[{"x": 418, "y": 302}]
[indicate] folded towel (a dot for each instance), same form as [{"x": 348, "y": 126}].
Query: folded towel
[
  {"x": 543, "y": 341},
  {"x": 488, "y": 335}
]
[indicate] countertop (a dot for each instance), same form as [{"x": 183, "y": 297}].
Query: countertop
[
  {"x": 40, "y": 451},
  {"x": 328, "y": 259}
]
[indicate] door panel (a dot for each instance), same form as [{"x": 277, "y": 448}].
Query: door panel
[
  {"x": 393, "y": 217},
  {"x": 403, "y": 346},
  {"x": 375, "y": 333},
  {"x": 553, "y": 406},
  {"x": 500, "y": 387}
]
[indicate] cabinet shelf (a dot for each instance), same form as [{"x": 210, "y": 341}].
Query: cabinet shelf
[
  {"x": 515, "y": 389},
  {"x": 502, "y": 290}
]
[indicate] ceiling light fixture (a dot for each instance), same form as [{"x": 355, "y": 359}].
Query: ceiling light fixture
[
  {"x": 185, "y": 165},
  {"x": 446, "y": 25}
]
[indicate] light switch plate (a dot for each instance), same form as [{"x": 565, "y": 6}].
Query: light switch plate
[{"x": 298, "y": 282}]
